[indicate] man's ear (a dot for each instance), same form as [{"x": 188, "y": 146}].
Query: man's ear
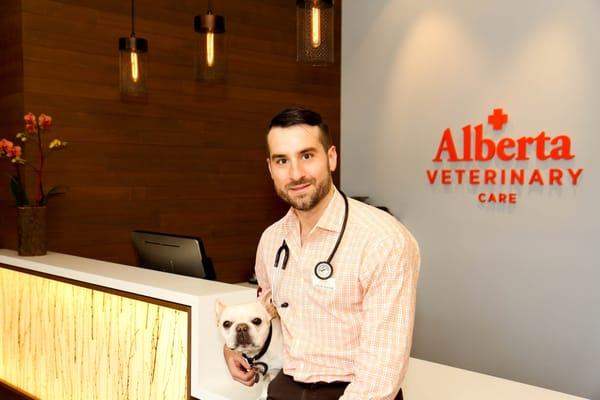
[
  {"x": 269, "y": 166},
  {"x": 332, "y": 157},
  {"x": 218, "y": 310}
]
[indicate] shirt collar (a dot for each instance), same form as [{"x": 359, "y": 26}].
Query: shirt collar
[{"x": 331, "y": 219}]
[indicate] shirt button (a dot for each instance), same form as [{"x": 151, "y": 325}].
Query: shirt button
[{"x": 284, "y": 305}]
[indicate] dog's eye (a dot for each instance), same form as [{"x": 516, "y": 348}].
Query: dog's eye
[
  {"x": 257, "y": 321},
  {"x": 227, "y": 324}
]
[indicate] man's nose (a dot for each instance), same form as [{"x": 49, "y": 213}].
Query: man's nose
[
  {"x": 241, "y": 328},
  {"x": 296, "y": 171}
]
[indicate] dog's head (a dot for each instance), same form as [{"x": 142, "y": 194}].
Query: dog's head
[{"x": 245, "y": 327}]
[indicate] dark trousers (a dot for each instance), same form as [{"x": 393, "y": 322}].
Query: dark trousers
[{"x": 283, "y": 387}]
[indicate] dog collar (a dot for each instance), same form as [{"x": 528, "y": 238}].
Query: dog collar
[{"x": 253, "y": 360}]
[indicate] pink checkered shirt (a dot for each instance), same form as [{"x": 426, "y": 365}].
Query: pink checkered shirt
[{"x": 358, "y": 326}]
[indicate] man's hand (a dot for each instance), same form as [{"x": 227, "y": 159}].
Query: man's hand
[{"x": 238, "y": 367}]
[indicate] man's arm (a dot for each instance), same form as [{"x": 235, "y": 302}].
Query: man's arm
[
  {"x": 238, "y": 367},
  {"x": 389, "y": 278},
  {"x": 260, "y": 268}
]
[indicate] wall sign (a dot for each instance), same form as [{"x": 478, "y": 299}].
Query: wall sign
[{"x": 476, "y": 149}]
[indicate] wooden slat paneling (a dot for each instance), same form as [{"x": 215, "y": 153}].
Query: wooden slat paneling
[
  {"x": 191, "y": 160},
  {"x": 11, "y": 103}
]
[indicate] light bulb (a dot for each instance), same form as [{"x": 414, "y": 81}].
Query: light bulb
[
  {"x": 210, "y": 49},
  {"x": 135, "y": 72},
  {"x": 316, "y": 27}
]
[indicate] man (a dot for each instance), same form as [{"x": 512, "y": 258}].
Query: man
[{"x": 347, "y": 332}]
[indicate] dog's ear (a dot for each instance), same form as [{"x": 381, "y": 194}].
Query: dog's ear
[
  {"x": 218, "y": 310},
  {"x": 266, "y": 299}
]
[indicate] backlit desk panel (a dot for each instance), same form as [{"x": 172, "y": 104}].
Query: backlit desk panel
[
  {"x": 60, "y": 340},
  {"x": 76, "y": 328}
]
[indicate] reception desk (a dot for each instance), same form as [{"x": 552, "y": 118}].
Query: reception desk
[{"x": 76, "y": 328}]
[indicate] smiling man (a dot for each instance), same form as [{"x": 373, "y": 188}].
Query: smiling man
[{"x": 344, "y": 284}]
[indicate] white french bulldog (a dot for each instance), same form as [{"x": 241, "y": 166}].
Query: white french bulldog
[{"x": 254, "y": 330}]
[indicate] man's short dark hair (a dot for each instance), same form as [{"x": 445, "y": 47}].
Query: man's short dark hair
[{"x": 302, "y": 116}]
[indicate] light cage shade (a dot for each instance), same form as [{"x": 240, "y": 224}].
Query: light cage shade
[
  {"x": 133, "y": 67},
  {"x": 314, "y": 31},
  {"x": 210, "y": 53}
]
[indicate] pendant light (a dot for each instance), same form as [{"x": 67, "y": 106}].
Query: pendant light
[
  {"x": 133, "y": 62},
  {"x": 210, "y": 53},
  {"x": 314, "y": 31}
]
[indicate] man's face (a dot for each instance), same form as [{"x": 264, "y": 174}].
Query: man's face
[{"x": 299, "y": 165}]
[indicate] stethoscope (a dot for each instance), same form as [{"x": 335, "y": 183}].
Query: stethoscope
[{"x": 323, "y": 269}]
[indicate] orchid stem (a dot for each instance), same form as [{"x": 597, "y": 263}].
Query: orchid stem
[{"x": 41, "y": 168}]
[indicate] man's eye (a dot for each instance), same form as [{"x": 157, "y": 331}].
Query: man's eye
[
  {"x": 257, "y": 321},
  {"x": 307, "y": 156},
  {"x": 227, "y": 324},
  {"x": 281, "y": 161}
]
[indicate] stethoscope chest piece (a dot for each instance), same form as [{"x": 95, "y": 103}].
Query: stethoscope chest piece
[{"x": 323, "y": 270}]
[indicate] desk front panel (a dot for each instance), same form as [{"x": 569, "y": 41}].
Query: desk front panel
[{"x": 61, "y": 339}]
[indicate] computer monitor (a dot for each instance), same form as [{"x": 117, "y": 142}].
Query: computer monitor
[{"x": 177, "y": 254}]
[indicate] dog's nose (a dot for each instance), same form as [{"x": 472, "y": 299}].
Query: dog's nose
[{"x": 241, "y": 328}]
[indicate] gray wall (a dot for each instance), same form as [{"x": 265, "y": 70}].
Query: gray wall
[{"x": 507, "y": 290}]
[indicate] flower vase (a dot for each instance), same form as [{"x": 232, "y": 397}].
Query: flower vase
[{"x": 31, "y": 231}]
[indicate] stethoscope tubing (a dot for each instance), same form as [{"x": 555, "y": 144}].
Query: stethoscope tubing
[
  {"x": 342, "y": 231},
  {"x": 285, "y": 250},
  {"x": 286, "y": 254}
]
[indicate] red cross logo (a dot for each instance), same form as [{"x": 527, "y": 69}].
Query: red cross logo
[{"x": 497, "y": 119}]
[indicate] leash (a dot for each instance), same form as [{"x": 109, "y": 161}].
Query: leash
[{"x": 260, "y": 366}]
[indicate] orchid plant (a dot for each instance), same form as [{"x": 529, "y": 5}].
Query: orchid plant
[{"x": 34, "y": 129}]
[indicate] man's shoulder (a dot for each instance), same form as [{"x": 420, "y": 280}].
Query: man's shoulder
[
  {"x": 368, "y": 217},
  {"x": 377, "y": 225}
]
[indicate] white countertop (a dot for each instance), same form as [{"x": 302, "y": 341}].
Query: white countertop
[
  {"x": 157, "y": 284},
  {"x": 426, "y": 380},
  {"x": 210, "y": 380}
]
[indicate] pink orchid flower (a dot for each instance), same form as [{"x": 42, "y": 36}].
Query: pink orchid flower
[
  {"x": 5, "y": 146},
  {"x": 14, "y": 152},
  {"x": 30, "y": 123},
  {"x": 45, "y": 121}
]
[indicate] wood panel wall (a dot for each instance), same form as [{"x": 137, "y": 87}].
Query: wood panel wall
[
  {"x": 11, "y": 100},
  {"x": 191, "y": 160}
]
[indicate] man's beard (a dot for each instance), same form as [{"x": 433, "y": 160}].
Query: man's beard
[{"x": 306, "y": 203}]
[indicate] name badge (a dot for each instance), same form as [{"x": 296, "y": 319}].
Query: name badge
[{"x": 327, "y": 284}]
